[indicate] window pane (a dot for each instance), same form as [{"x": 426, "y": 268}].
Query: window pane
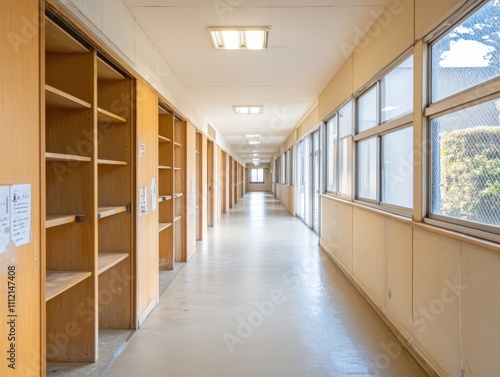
[
  {"x": 331, "y": 155},
  {"x": 465, "y": 164},
  {"x": 397, "y": 168},
  {"x": 397, "y": 91},
  {"x": 367, "y": 110},
  {"x": 469, "y": 54},
  {"x": 367, "y": 169},
  {"x": 256, "y": 175},
  {"x": 345, "y": 161},
  {"x": 345, "y": 120}
]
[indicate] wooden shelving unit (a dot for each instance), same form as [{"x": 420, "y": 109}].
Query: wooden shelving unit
[
  {"x": 115, "y": 193},
  {"x": 172, "y": 186},
  {"x": 165, "y": 189},
  {"x": 179, "y": 164},
  {"x": 89, "y": 175}
]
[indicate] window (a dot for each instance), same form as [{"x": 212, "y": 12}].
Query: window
[
  {"x": 289, "y": 165},
  {"x": 256, "y": 175},
  {"x": 339, "y": 151},
  {"x": 464, "y": 121},
  {"x": 283, "y": 169},
  {"x": 384, "y": 140}
]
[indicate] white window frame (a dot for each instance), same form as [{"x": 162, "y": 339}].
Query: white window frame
[
  {"x": 257, "y": 182},
  {"x": 467, "y": 98},
  {"x": 336, "y": 170},
  {"x": 382, "y": 129}
]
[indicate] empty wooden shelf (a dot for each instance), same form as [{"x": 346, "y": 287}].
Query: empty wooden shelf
[
  {"x": 108, "y": 260},
  {"x": 110, "y": 211},
  {"x": 104, "y": 116},
  {"x": 49, "y": 156},
  {"x": 163, "y": 226},
  {"x": 58, "y": 99},
  {"x": 59, "y": 281},
  {"x": 57, "y": 220},
  {"x": 163, "y": 139},
  {"x": 106, "y": 72},
  {"x": 58, "y": 41},
  {"x": 111, "y": 162}
]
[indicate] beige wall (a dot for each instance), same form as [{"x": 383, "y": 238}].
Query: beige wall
[{"x": 286, "y": 196}]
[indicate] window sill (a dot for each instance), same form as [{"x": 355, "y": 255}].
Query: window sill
[{"x": 429, "y": 225}]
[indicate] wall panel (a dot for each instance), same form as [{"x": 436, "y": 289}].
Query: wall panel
[{"x": 436, "y": 315}]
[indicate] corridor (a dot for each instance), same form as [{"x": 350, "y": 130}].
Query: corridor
[{"x": 260, "y": 299}]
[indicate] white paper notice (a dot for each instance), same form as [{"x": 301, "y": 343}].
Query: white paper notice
[
  {"x": 154, "y": 197},
  {"x": 20, "y": 199},
  {"x": 4, "y": 218},
  {"x": 142, "y": 148},
  {"x": 143, "y": 201}
]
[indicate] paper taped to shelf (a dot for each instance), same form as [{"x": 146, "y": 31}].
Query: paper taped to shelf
[
  {"x": 4, "y": 218},
  {"x": 20, "y": 199},
  {"x": 15, "y": 215}
]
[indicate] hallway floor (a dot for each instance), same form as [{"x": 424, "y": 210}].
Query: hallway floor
[{"x": 260, "y": 299}]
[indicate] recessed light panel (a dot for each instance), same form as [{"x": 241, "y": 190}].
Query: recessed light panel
[
  {"x": 239, "y": 37},
  {"x": 248, "y": 109}
]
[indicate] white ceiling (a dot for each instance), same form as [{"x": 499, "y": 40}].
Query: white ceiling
[{"x": 304, "y": 53}]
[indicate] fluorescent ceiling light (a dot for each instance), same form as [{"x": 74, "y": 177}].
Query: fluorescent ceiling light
[
  {"x": 239, "y": 37},
  {"x": 248, "y": 109},
  {"x": 252, "y": 135},
  {"x": 254, "y": 142},
  {"x": 255, "y": 154}
]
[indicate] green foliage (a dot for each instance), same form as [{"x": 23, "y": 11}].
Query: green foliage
[{"x": 470, "y": 171}]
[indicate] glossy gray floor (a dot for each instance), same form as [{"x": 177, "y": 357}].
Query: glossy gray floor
[{"x": 260, "y": 299}]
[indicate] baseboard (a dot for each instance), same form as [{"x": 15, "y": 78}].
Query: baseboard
[
  {"x": 407, "y": 343},
  {"x": 146, "y": 312}
]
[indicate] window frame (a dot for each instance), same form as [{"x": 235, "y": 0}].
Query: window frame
[
  {"x": 257, "y": 182},
  {"x": 350, "y": 137},
  {"x": 405, "y": 120},
  {"x": 467, "y": 98}
]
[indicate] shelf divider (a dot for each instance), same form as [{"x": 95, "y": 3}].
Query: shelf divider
[
  {"x": 110, "y": 211},
  {"x": 59, "y": 281},
  {"x": 51, "y": 157},
  {"x": 104, "y": 116},
  {"x": 163, "y": 139},
  {"x": 58, "y": 99},
  {"x": 111, "y": 162},
  {"x": 57, "y": 220},
  {"x": 163, "y": 226},
  {"x": 107, "y": 260}
]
